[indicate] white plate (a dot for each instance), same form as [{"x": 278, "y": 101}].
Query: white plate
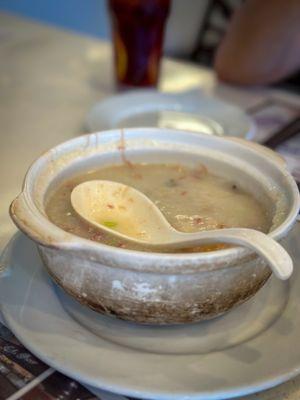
[
  {"x": 192, "y": 111},
  {"x": 258, "y": 342}
]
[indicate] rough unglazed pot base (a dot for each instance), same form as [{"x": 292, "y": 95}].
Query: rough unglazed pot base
[
  {"x": 203, "y": 302},
  {"x": 237, "y": 326}
]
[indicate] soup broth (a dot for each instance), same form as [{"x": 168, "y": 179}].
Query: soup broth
[{"x": 192, "y": 199}]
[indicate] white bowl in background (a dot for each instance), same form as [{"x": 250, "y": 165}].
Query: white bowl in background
[{"x": 190, "y": 111}]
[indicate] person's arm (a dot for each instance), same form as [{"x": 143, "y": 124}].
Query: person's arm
[{"x": 262, "y": 44}]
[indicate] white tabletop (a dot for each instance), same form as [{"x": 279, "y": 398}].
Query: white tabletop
[{"x": 49, "y": 79}]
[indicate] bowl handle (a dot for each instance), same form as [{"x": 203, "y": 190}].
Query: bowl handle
[
  {"x": 261, "y": 149},
  {"x": 28, "y": 222}
]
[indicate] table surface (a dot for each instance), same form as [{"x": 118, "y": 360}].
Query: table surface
[{"x": 50, "y": 78}]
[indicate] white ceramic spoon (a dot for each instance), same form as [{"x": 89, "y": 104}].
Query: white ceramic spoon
[{"x": 123, "y": 211}]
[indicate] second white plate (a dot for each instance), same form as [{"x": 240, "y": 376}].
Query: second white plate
[{"x": 192, "y": 111}]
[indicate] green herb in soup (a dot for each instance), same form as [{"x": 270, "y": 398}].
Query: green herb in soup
[
  {"x": 192, "y": 199},
  {"x": 128, "y": 227},
  {"x": 110, "y": 224}
]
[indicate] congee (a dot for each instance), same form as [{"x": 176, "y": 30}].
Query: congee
[{"x": 192, "y": 199}]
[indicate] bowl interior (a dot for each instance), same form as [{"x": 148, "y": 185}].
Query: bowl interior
[
  {"x": 245, "y": 177},
  {"x": 253, "y": 172}
]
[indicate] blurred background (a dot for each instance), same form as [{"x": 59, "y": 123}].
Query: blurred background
[{"x": 186, "y": 30}]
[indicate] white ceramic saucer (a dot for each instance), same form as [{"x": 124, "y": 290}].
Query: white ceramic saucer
[
  {"x": 190, "y": 110},
  {"x": 254, "y": 347}
]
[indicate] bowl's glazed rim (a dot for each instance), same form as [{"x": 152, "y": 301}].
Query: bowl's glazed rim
[{"x": 57, "y": 238}]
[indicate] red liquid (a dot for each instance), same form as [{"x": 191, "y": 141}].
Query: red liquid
[{"x": 138, "y": 30}]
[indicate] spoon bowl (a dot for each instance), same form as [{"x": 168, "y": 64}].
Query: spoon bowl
[{"x": 125, "y": 212}]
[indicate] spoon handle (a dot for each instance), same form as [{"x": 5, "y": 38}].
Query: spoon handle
[{"x": 276, "y": 256}]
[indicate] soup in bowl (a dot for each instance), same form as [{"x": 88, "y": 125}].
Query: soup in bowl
[{"x": 198, "y": 182}]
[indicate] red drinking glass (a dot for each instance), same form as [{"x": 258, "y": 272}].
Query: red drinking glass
[{"x": 138, "y": 31}]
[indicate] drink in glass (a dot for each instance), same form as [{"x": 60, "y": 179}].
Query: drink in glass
[{"x": 138, "y": 30}]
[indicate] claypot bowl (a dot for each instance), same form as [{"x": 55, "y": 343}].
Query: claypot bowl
[{"x": 155, "y": 288}]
